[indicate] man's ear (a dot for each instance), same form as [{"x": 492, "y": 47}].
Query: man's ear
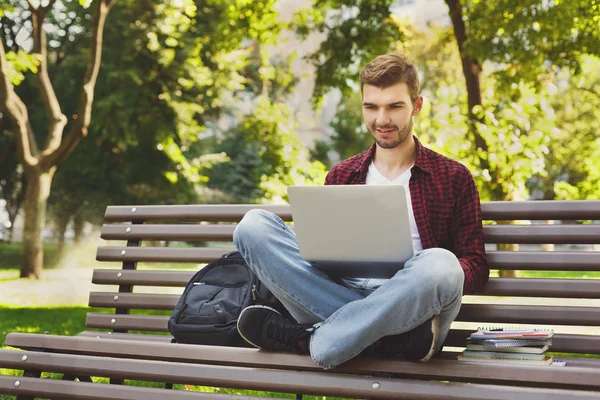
[{"x": 418, "y": 105}]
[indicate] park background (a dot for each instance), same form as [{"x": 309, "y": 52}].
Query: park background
[{"x": 231, "y": 101}]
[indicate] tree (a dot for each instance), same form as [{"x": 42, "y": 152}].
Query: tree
[
  {"x": 523, "y": 41},
  {"x": 40, "y": 162},
  {"x": 12, "y": 183},
  {"x": 355, "y": 32}
]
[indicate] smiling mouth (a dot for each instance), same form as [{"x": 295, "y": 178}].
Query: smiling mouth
[{"x": 385, "y": 132}]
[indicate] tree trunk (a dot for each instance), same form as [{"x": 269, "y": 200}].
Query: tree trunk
[
  {"x": 38, "y": 190},
  {"x": 78, "y": 223},
  {"x": 472, "y": 72},
  {"x": 61, "y": 229}
]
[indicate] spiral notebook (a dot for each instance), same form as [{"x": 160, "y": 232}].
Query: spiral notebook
[
  {"x": 512, "y": 333},
  {"x": 536, "y": 349},
  {"x": 548, "y": 360},
  {"x": 500, "y": 343}
]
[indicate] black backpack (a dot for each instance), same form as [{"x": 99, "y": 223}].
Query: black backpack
[{"x": 213, "y": 299}]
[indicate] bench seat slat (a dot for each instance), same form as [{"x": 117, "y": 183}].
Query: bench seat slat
[
  {"x": 524, "y": 234},
  {"x": 509, "y": 260},
  {"x": 563, "y": 343},
  {"x": 68, "y": 390},
  {"x": 491, "y": 210},
  {"x": 484, "y": 313},
  {"x": 258, "y": 379},
  {"x": 438, "y": 369},
  {"x": 92, "y": 391},
  {"x": 141, "y": 337}
]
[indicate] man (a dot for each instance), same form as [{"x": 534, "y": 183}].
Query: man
[{"x": 409, "y": 315}]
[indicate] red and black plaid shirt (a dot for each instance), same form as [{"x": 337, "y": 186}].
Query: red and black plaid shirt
[{"x": 445, "y": 204}]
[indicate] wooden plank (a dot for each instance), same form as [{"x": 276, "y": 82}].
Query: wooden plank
[
  {"x": 524, "y": 234},
  {"x": 563, "y": 343},
  {"x": 130, "y": 322},
  {"x": 542, "y": 234},
  {"x": 543, "y": 287},
  {"x": 493, "y": 210},
  {"x": 188, "y": 355},
  {"x": 522, "y": 314},
  {"x": 202, "y": 212},
  {"x": 141, "y": 277},
  {"x": 172, "y": 232},
  {"x": 541, "y": 210},
  {"x": 309, "y": 383},
  {"x": 159, "y": 254},
  {"x": 142, "y": 301},
  {"x": 554, "y": 288},
  {"x": 522, "y": 287},
  {"x": 143, "y": 337},
  {"x": 481, "y": 313},
  {"x": 52, "y": 388},
  {"x": 544, "y": 261},
  {"x": 509, "y": 260}
]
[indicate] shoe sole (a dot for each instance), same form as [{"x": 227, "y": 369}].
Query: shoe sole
[
  {"x": 435, "y": 328},
  {"x": 240, "y": 317}
]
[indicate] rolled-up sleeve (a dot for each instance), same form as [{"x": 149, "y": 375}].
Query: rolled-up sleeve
[{"x": 467, "y": 238}]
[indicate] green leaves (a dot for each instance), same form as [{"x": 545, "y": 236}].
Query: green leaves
[
  {"x": 356, "y": 31},
  {"x": 19, "y": 63},
  {"x": 525, "y": 40}
]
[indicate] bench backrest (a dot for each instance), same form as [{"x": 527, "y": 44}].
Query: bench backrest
[{"x": 569, "y": 306}]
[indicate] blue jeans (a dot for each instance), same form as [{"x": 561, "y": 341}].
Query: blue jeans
[{"x": 349, "y": 314}]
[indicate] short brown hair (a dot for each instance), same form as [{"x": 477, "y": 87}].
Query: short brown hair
[{"x": 389, "y": 69}]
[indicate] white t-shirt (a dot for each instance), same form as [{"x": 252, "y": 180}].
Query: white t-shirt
[{"x": 374, "y": 177}]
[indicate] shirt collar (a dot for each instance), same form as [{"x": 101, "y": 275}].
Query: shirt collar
[{"x": 422, "y": 160}]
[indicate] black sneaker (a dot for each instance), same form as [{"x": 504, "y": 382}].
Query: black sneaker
[
  {"x": 264, "y": 327},
  {"x": 419, "y": 344}
]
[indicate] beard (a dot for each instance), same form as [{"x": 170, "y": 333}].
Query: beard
[{"x": 393, "y": 142}]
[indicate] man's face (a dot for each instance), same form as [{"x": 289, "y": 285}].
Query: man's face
[{"x": 388, "y": 113}]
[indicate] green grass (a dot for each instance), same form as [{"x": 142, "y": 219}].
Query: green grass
[{"x": 55, "y": 320}]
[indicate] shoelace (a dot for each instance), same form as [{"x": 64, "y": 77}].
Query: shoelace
[{"x": 286, "y": 336}]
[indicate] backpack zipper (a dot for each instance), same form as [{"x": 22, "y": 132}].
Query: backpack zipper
[{"x": 254, "y": 292}]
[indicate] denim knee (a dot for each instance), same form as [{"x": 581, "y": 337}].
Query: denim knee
[
  {"x": 443, "y": 269},
  {"x": 251, "y": 225}
]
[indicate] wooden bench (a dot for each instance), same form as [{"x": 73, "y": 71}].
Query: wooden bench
[{"x": 129, "y": 348}]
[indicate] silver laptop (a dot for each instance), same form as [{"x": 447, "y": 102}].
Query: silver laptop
[{"x": 352, "y": 230}]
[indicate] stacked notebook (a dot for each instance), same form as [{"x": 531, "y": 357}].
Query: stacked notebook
[{"x": 509, "y": 345}]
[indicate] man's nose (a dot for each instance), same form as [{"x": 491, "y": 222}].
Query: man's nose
[{"x": 383, "y": 117}]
